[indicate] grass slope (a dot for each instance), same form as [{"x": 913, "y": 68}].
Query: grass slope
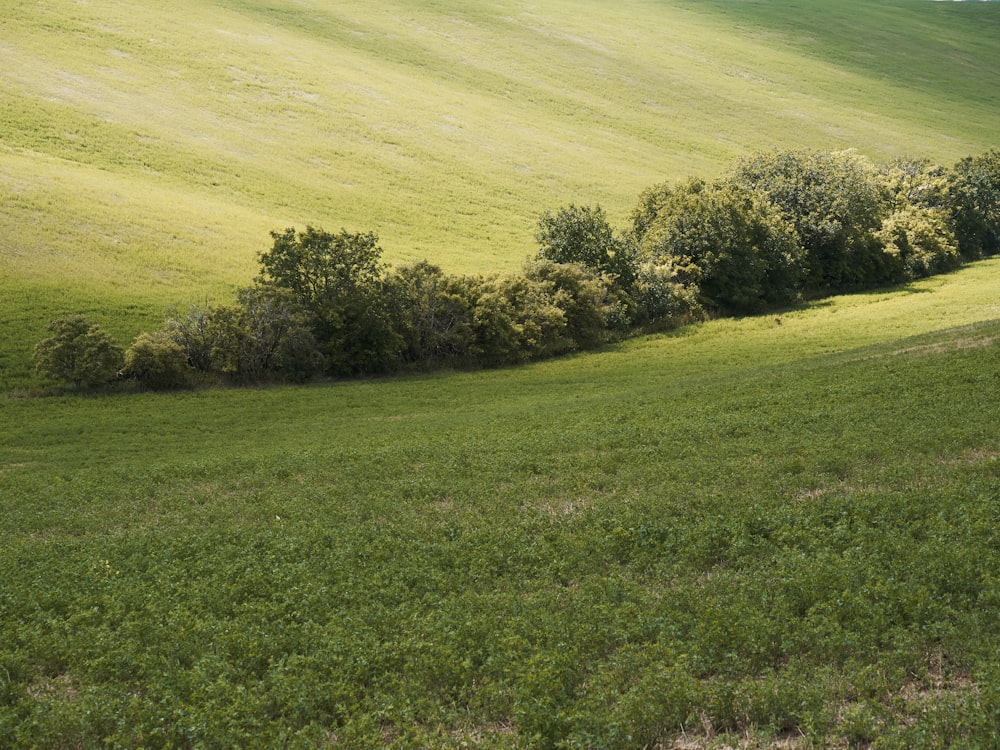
[
  {"x": 772, "y": 533},
  {"x": 146, "y": 149}
]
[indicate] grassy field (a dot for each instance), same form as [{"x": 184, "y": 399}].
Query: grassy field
[
  {"x": 780, "y": 535},
  {"x": 147, "y": 149},
  {"x": 776, "y": 535}
]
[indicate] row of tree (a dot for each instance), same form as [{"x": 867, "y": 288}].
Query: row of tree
[{"x": 774, "y": 228}]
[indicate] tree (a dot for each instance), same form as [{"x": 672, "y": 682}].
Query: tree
[
  {"x": 432, "y": 313},
  {"x": 338, "y": 280},
  {"x": 78, "y": 352},
  {"x": 195, "y": 334},
  {"x": 157, "y": 362},
  {"x": 581, "y": 234},
  {"x": 976, "y": 205},
  {"x": 517, "y": 319},
  {"x": 835, "y": 201},
  {"x": 584, "y": 296},
  {"x": 918, "y": 235},
  {"x": 920, "y": 240},
  {"x": 724, "y": 239},
  {"x": 264, "y": 336}
]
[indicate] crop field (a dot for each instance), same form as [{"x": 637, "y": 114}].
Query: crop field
[
  {"x": 746, "y": 533},
  {"x": 763, "y": 532}
]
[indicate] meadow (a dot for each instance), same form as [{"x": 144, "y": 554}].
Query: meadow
[
  {"x": 744, "y": 532},
  {"x": 773, "y": 531}
]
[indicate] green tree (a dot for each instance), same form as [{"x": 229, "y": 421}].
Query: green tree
[
  {"x": 835, "y": 201},
  {"x": 976, "y": 205},
  {"x": 584, "y": 296},
  {"x": 660, "y": 299},
  {"x": 581, "y": 234},
  {"x": 78, "y": 352},
  {"x": 432, "y": 313},
  {"x": 920, "y": 240},
  {"x": 918, "y": 234},
  {"x": 264, "y": 336},
  {"x": 517, "y": 319},
  {"x": 338, "y": 280},
  {"x": 157, "y": 361},
  {"x": 725, "y": 239}
]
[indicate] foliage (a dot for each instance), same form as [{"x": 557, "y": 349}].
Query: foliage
[
  {"x": 917, "y": 233},
  {"x": 727, "y": 241},
  {"x": 662, "y": 300},
  {"x": 517, "y": 319},
  {"x": 920, "y": 240},
  {"x": 194, "y": 333},
  {"x": 581, "y": 234},
  {"x": 586, "y": 299},
  {"x": 265, "y": 336},
  {"x": 835, "y": 202},
  {"x": 337, "y": 278},
  {"x": 78, "y": 352},
  {"x": 433, "y": 313},
  {"x": 976, "y": 204},
  {"x": 156, "y": 361}
]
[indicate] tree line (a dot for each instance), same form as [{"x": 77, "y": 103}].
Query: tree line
[{"x": 775, "y": 228}]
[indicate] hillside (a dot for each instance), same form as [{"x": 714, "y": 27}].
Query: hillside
[
  {"x": 146, "y": 150},
  {"x": 746, "y": 534}
]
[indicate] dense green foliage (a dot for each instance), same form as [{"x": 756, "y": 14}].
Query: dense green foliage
[
  {"x": 78, "y": 352},
  {"x": 774, "y": 535}
]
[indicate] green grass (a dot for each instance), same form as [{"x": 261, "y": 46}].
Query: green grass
[
  {"x": 746, "y": 531},
  {"x": 742, "y": 532}
]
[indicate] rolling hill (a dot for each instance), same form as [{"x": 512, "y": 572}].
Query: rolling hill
[{"x": 146, "y": 149}]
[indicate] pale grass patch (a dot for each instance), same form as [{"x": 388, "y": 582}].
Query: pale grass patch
[
  {"x": 708, "y": 739},
  {"x": 60, "y": 687},
  {"x": 563, "y": 508}
]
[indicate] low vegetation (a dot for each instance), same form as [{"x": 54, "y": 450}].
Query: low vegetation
[
  {"x": 739, "y": 534},
  {"x": 764, "y": 515}
]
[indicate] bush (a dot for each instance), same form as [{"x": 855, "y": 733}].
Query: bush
[
  {"x": 835, "y": 201},
  {"x": 432, "y": 313},
  {"x": 581, "y": 234},
  {"x": 920, "y": 241},
  {"x": 157, "y": 362},
  {"x": 583, "y": 295},
  {"x": 78, "y": 352},
  {"x": 726, "y": 239},
  {"x": 976, "y": 205}
]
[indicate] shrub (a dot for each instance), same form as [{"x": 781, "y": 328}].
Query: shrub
[
  {"x": 78, "y": 352},
  {"x": 581, "y": 234},
  {"x": 583, "y": 295},
  {"x": 157, "y": 362},
  {"x": 835, "y": 201},
  {"x": 920, "y": 240},
  {"x": 976, "y": 204},
  {"x": 726, "y": 239}
]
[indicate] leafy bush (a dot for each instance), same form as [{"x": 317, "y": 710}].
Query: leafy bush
[
  {"x": 78, "y": 352},
  {"x": 432, "y": 313},
  {"x": 157, "y": 362},
  {"x": 729, "y": 241},
  {"x": 920, "y": 241},
  {"x": 835, "y": 201},
  {"x": 976, "y": 204},
  {"x": 581, "y": 234}
]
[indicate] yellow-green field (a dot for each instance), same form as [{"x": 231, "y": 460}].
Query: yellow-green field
[
  {"x": 146, "y": 149},
  {"x": 153, "y": 145}
]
